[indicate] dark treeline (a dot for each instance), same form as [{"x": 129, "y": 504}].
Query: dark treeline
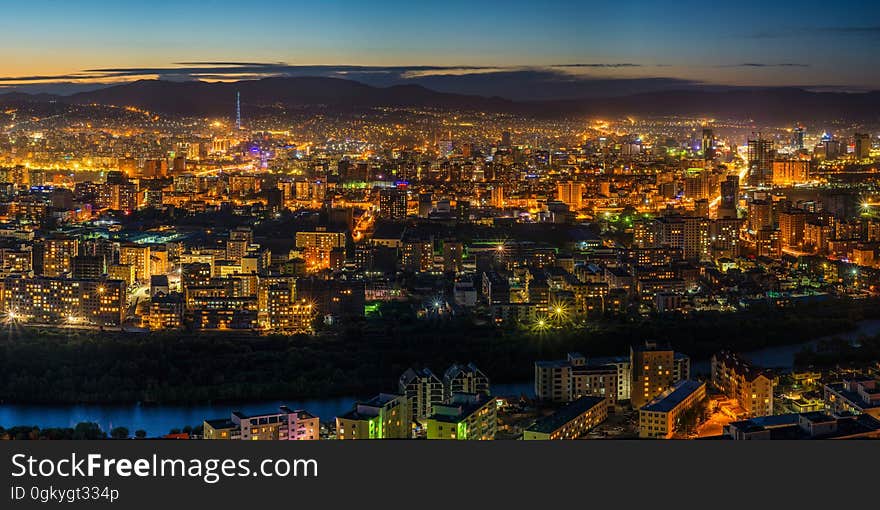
[
  {"x": 85, "y": 430},
  {"x": 82, "y": 431},
  {"x": 61, "y": 367}
]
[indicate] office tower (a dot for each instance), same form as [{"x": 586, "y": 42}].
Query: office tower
[
  {"x": 652, "y": 372},
  {"x": 505, "y": 138},
  {"x": 425, "y": 204},
  {"x": 571, "y": 194},
  {"x": 797, "y": 138},
  {"x": 423, "y": 389},
  {"x": 392, "y": 204},
  {"x": 863, "y": 146},
  {"x": 729, "y": 197},
  {"x": 708, "y": 144},
  {"x": 759, "y": 158},
  {"x": 238, "y": 110},
  {"x": 498, "y": 197}
]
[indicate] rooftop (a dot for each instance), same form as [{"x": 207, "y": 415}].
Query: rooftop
[
  {"x": 555, "y": 421},
  {"x": 667, "y": 401}
]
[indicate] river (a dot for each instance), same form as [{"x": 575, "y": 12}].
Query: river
[{"x": 158, "y": 420}]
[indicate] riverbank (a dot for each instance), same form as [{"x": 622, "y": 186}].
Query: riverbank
[
  {"x": 365, "y": 358},
  {"x": 159, "y": 420}
]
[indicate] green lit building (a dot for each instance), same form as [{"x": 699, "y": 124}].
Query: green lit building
[
  {"x": 385, "y": 416},
  {"x": 465, "y": 416}
]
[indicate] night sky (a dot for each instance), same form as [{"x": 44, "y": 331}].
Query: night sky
[{"x": 807, "y": 43}]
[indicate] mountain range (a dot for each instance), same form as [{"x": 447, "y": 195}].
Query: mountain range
[{"x": 218, "y": 99}]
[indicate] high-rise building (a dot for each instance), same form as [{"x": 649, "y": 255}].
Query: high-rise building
[
  {"x": 571, "y": 193},
  {"x": 137, "y": 255},
  {"x": 797, "y": 138},
  {"x": 760, "y": 215},
  {"x": 652, "y": 372},
  {"x": 465, "y": 379},
  {"x": 760, "y": 155},
  {"x": 696, "y": 184},
  {"x": 724, "y": 233},
  {"x": 708, "y": 144},
  {"x": 88, "y": 266},
  {"x": 791, "y": 228},
  {"x": 863, "y": 146},
  {"x": 423, "y": 389},
  {"x": 787, "y": 172},
  {"x": 54, "y": 255},
  {"x": 830, "y": 146},
  {"x": 767, "y": 243},
  {"x": 498, "y": 197},
  {"x": 729, "y": 197},
  {"x": 392, "y": 204}
]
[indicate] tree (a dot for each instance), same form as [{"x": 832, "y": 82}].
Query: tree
[
  {"x": 140, "y": 434},
  {"x": 88, "y": 430},
  {"x": 119, "y": 433}
]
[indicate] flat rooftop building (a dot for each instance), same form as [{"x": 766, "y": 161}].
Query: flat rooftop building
[{"x": 570, "y": 422}]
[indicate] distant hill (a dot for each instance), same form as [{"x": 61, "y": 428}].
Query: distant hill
[
  {"x": 218, "y": 99},
  {"x": 766, "y": 104},
  {"x": 202, "y": 98}
]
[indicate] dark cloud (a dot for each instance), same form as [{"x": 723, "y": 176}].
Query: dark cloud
[
  {"x": 755, "y": 64},
  {"x": 613, "y": 66},
  {"x": 563, "y": 81},
  {"x": 870, "y": 30}
]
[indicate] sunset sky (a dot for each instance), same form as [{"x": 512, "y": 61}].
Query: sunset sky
[{"x": 746, "y": 42}]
